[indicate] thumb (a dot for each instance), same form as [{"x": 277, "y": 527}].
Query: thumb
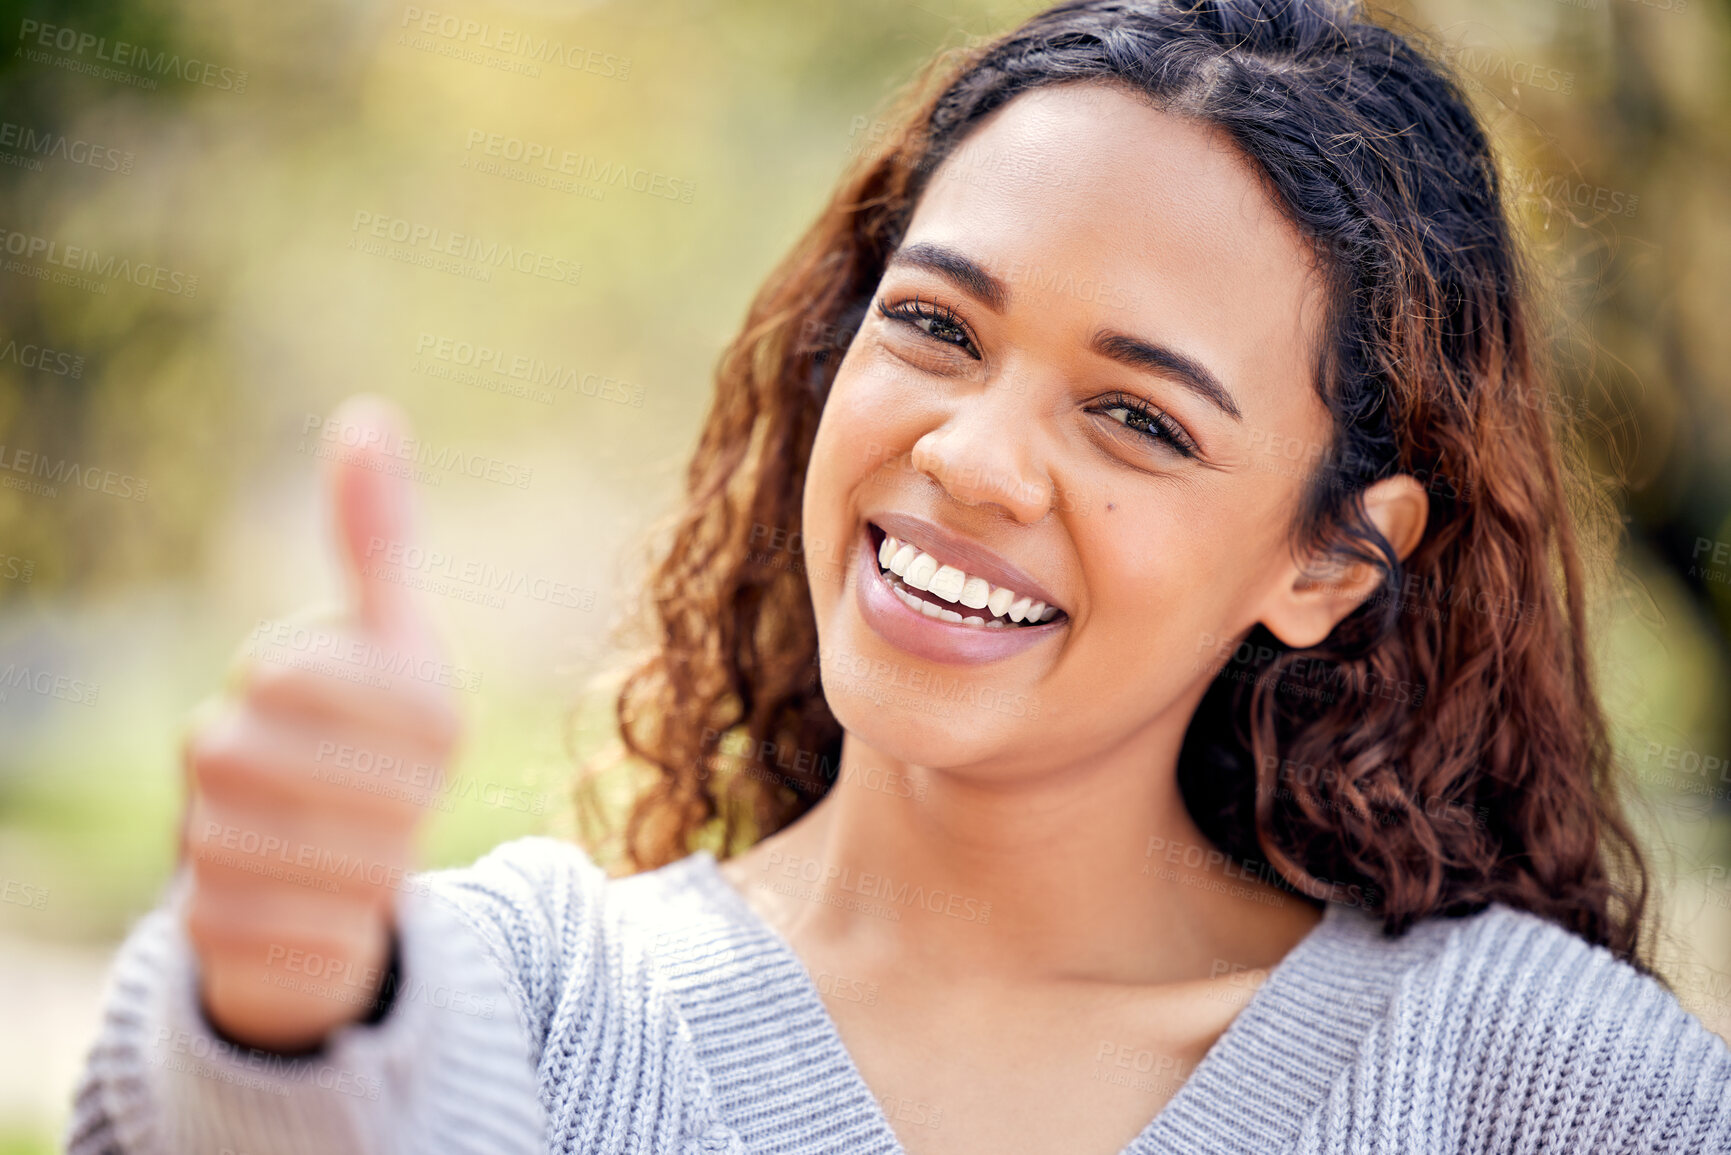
[{"x": 373, "y": 511}]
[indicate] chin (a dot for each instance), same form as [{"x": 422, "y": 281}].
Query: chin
[{"x": 919, "y": 728}]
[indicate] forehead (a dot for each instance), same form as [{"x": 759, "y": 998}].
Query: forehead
[{"x": 1086, "y": 181}]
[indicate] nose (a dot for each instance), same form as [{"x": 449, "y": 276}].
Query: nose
[{"x": 986, "y": 453}]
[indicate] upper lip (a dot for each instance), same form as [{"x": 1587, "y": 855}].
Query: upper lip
[{"x": 971, "y": 557}]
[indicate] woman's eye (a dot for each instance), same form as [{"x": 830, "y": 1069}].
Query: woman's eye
[
  {"x": 936, "y": 321},
  {"x": 1147, "y": 423}
]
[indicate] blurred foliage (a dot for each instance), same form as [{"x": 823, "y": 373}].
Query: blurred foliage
[{"x": 756, "y": 104}]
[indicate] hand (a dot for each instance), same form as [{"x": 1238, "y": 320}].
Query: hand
[{"x": 308, "y": 777}]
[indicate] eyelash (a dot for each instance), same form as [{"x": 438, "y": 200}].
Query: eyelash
[
  {"x": 1159, "y": 426},
  {"x": 1163, "y": 428},
  {"x": 916, "y": 309}
]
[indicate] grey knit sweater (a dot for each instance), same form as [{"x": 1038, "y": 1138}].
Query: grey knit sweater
[{"x": 547, "y": 1008}]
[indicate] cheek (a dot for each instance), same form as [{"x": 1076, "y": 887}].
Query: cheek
[
  {"x": 1181, "y": 568},
  {"x": 856, "y": 438},
  {"x": 870, "y": 420},
  {"x": 875, "y": 391}
]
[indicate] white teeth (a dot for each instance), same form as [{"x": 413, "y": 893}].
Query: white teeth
[
  {"x": 922, "y": 571},
  {"x": 908, "y": 599},
  {"x": 947, "y": 583},
  {"x": 935, "y": 611}
]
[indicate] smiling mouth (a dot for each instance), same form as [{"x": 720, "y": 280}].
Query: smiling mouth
[{"x": 929, "y": 585}]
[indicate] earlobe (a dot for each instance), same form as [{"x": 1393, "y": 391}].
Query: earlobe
[{"x": 1315, "y": 592}]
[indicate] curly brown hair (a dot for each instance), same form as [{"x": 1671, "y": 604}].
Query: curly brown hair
[{"x": 1444, "y": 747}]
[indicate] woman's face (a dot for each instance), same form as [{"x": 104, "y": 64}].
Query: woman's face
[{"x": 1097, "y": 392}]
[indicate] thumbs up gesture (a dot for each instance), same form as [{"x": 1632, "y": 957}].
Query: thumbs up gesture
[{"x": 309, "y": 775}]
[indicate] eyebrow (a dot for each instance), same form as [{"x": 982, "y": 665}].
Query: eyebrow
[{"x": 1135, "y": 352}]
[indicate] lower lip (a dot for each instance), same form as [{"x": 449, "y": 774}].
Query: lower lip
[{"x": 932, "y": 638}]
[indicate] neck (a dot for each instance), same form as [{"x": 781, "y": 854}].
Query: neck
[{"x": 1094, "y": 873}]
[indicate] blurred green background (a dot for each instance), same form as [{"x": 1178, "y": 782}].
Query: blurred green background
[{"x": 169, "y": 392}]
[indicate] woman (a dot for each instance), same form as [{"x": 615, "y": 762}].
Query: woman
[{"x": 1127, "y": 630}]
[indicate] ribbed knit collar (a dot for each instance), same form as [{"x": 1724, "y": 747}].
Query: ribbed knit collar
[{"x": 785, "y": 1078}]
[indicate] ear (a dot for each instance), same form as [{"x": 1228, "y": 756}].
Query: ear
[{"x": 1315, "y": 592}]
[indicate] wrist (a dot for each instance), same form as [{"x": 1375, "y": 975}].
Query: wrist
[{"x": 287, "y": 998}]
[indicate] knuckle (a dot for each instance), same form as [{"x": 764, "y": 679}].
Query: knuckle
[
  {"x": 217, "y": 756},
  {"x": 441, "y": 725},
  {"x": 214, "y": 929},
  {"x": 273, "y": 683}
]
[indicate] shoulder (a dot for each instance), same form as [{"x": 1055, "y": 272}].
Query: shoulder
[
  {"x": 537, "y": 904},
  {"x": 590, "y": 961},
  {"x": 533, "y": 883},
  {"x": 1505, "y": 958},
  {"x": 561, "y": 928},
  {"x": 1527, "y": 1025}
]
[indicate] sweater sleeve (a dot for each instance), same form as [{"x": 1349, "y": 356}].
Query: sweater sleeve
[
  {"x": 450, "y": 1066},
  {"x": 1561, "y": 1047},
  {"x": 536, "y": 905}
]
